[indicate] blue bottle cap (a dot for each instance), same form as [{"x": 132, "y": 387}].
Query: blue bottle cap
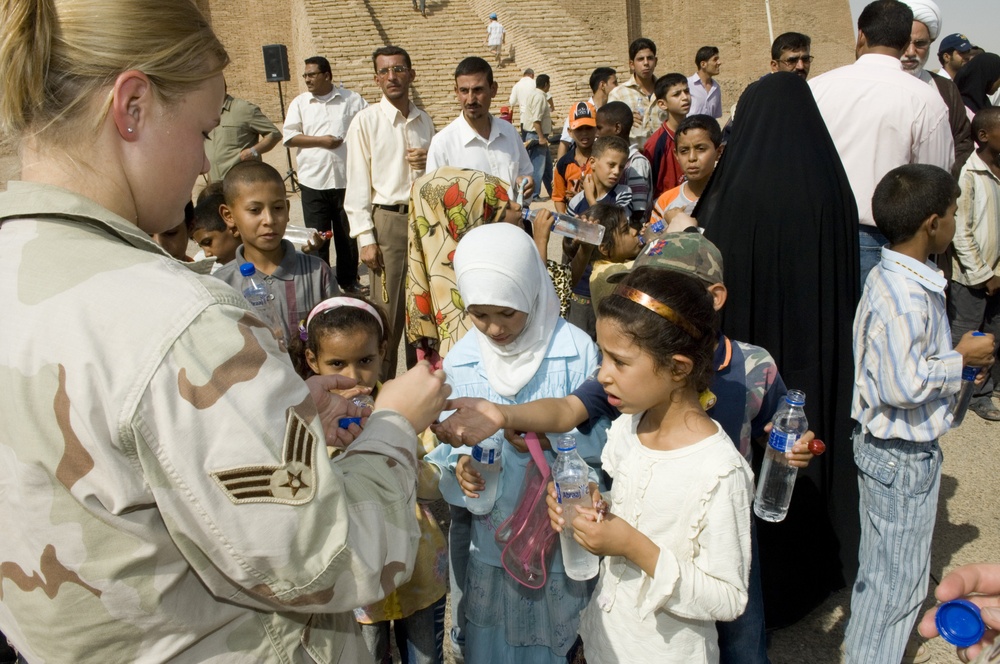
[
  {"x": 346, "y": 422},
  {"x": 959, "y": 623},
  {"x": 247, "y": 269}
]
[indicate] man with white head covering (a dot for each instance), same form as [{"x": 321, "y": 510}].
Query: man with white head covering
[{"x": 926, "y": 27}]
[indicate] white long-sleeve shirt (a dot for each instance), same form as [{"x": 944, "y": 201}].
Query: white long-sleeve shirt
[
  {"x": 377, "y": 171},
  {"x": 880, "y": 117}
]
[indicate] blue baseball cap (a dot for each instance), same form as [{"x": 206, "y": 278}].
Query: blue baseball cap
[
  {"x": 494, "y": 15},
  {"x": 955, "y": 42}
]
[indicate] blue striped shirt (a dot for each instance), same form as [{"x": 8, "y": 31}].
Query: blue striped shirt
[{"x": 905, "y": 370}]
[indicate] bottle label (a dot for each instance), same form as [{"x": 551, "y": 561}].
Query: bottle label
[
  {"x": 970, "y": 373},
  {"x": 781, "y": 440},
  {"x": 486, "y": 457},
  {"x": 569, "y": 492}
]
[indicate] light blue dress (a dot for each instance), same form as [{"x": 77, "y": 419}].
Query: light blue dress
[{"x": 506, "y": 621}]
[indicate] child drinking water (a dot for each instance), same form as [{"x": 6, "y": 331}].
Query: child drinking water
[
  {"x": 677, "y": 538},
  {"x": 347, "y": 336},
  {"x": 520, "y": 350}
]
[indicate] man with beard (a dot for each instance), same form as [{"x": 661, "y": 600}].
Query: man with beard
[
  {"x": 953, "y": 52},
  {"x": 387, "y": 150},
  {"x": 926, "y": 26},
  {"x": 476, "y": 139},
  {"x": 790, "y": 52}
]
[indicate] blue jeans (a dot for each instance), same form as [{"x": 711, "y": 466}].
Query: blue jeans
[
  {"x": 541, "y": 161},
  {"x": 419, "y": 637},
  {"x": 744, "y": 640},
  {"x": 870, "y": 243},
  {"x": 459, "y": 541},
  {"x": 899, "y": 482}
]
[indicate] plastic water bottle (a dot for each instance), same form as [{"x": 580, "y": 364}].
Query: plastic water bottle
[
  {"x": 965, "y": 394},
  {"x": 361, "y": 401},
  {"x": 777, "y": 477},
  {"x": 570, "y": 226},
  {"x": 256, "y": 293},
  {"x": 486, "y": 462},
  {"x": 300, "y": 236},
  {"x": 572, "y": 490}
]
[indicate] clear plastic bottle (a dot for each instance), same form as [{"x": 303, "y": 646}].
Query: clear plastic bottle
[
  {"x": 777, "y": 476},
  {"x": 257, "y": 294},
  {"x": 486, "y": 461},
  {"x": 573, "y": 489},
  {"x": 300, "y": 236},
  {"x": 961, "y": 406},
  {"x": 570, "y": 226}
]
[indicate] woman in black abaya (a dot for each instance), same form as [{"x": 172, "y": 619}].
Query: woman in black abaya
[{"x": 780, "y": 209}]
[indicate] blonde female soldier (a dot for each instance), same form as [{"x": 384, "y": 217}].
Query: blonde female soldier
[{"x": 165, "y": 494}]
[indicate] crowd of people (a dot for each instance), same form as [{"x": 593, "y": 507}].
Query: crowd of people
[{"x": 188, "y": 480}]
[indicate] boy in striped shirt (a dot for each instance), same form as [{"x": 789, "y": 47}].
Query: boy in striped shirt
[{"x": 906, "y": 377}]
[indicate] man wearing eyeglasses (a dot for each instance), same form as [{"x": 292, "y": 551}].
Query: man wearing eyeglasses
[
  {"x": 926, "y": 26},
  {"x": 386, "y": 151},
  {"x": 316, "y": 124},
  {"x": 790, "y": 52}
]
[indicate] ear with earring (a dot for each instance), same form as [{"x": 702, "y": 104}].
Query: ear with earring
[{"x": 130, "y": 130}]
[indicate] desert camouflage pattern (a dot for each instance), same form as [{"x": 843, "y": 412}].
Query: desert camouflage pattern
[{"x": 165, "y": 494}]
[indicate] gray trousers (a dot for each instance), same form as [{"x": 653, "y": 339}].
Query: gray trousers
[{"x": 971, "y": 309}]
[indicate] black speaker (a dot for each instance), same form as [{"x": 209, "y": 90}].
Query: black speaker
[{"x": 276, "y": 63}]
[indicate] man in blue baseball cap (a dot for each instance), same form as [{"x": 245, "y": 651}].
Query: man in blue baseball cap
[{"x": 953, "y": 53}]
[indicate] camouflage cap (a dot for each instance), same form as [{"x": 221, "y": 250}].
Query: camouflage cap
[{"x": 684, "y": 252}]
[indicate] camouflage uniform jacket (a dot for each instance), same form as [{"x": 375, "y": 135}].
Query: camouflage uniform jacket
[{"x": 165, "y": 494}]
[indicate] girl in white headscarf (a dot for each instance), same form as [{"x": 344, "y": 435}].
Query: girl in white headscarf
[{"x": 519, "y": 351}]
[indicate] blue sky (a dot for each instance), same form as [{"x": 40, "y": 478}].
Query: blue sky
[{"x": 979, "y": 20}]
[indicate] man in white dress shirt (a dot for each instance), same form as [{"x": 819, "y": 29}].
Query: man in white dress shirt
[
  {"x": 478, "y": 140},
  {"x": 881, "y": 117},
  {"x": 519, "y": 95},
  {"x": 316, "y": 125},
  {"x": 386, "y": 150}
]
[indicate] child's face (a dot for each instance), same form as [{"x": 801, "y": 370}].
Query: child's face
[
  {"x": 260, "y": 214},
  {"x": 945, "y": 231},
  {"x": 677, "y": 101},
  {"x": 606, "y": 128},
  {"x": 629, "y": 375},
  {"x": 352, "y": 353},
  {"x": 696, "y": 154},
  {"x": 221, "y": 244},
  {"x": 608, "y": 168},
  {"x": 174, "y": 241},
  {"x": 991, "y": 138},
  {"x": 626, "y": 246},
  {"x": 584, "y": 136},
  {"x": 501, "y": 325}
]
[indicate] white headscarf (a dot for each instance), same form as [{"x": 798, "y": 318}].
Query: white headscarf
[
  {"x": 498, "y": 265},
  {"x": 928, "y": 13}
]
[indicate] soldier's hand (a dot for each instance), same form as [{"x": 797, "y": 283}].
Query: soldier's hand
[
  {"x": 331, "y": 407},
  {"x": 418, "y": 395}
]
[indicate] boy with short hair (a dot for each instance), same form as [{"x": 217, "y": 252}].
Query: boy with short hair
[
  {"x": 174, "y": 240},
  {"x": 673, "y": 97},
  {"x": 209, "y": 230},
  {"x": 697, "y": 151},
  {"x": 256, "y": 209},
  {"x": 567, "y": 181},
  {"x": 906, "y": 376},
  {"x": 974, "y": 296},
  {"x": 607, "y": 159},
  {"x": 615, "y": 119}
]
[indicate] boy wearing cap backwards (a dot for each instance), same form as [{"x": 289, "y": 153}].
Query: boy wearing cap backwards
[
  {"x": 567, "y": 181},
  {"x": 745, "y": 393},
  {"x": 495, "y": 36}
]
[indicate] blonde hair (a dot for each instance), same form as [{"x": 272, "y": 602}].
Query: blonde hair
[{"x": 63, "y": 55}]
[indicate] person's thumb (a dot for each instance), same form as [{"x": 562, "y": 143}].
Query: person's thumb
[{"x": 991, "y": 616}]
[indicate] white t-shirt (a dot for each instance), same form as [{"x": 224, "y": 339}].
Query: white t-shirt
[
  {"x": 694, "y": 503},
  {"x": 502, "y": 154},
  {"x": 494, "y": 33}
]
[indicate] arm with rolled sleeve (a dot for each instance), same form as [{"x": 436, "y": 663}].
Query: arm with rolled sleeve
[
  {"x": 358, "y": 197},
  {"x": 905, "y": 377},
  {"x": 712, "y": 586},
  {"x": 230, "y": 443},
  {"x": 293, "y": 122}
]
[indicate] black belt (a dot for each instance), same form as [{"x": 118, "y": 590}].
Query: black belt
[{"x": 402, "y": 208}]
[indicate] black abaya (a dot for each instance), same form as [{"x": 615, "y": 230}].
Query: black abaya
[{"x": 780, "y": 209}]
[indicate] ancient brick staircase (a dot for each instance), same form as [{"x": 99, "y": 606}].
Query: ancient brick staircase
[{"x": 349, "y": 30}]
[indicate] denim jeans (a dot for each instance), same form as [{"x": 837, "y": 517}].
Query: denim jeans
[
  {"x": 899, "y": 482},
  {"x": 459, "y": 541},
  {"x": 744, "y": 640},
  {"x": 419, "y": 637},
  {"x": 870, "y": 243},
  {"x": 541, "y": 161}
]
